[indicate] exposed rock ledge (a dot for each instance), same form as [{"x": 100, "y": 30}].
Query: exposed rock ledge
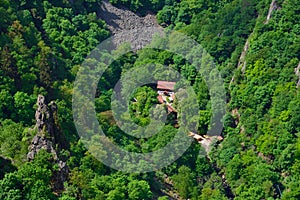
[
  {"x": 45, "y": 127},
  {"x": 273, "y": 6},
  {"x": 47, "y": 138}
]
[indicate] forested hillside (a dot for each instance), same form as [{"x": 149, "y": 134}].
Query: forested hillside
[{"x": 256, "y": 47}]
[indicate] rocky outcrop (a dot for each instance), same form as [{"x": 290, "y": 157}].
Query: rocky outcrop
[
  {"x": 273, "y": 6},
  {"x": 45, "y": 128},
  {"x": 44, "y": 117},
  {"x": 47, "y": 138},
  {"x": 38, "y": 143},
  {"x": 121, "y": 20},
  {"x": 297, "y": 72},
  {"x": 242, "y": 61}
]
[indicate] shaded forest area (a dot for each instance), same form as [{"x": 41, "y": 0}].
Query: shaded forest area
[{"x": 43, "y": 43}]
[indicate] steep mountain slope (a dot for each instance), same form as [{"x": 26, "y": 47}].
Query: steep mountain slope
[{"x": 256, "y": 47}]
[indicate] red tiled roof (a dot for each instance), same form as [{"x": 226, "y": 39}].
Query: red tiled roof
[
  {"x": 165, "y": 85},
  {"x": 160, "y": 99}
]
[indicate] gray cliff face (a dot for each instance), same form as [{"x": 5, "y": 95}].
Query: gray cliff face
[
  {"x": 42, "y": 113},
  {"x": 45, "y": 127},
  {"x": 47, "y": 138}
]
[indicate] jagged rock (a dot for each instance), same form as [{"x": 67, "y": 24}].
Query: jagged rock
[
  {"x": 44, "y": 117},
  {"x": 42, "y": 113},
  {"x": 297, "y": 72},
  {"x": 35, "y": 140},
  {"x": 45, "y": 129},
  {"x": 47, "y": 138},
  {"x": 30, "y": 155}
]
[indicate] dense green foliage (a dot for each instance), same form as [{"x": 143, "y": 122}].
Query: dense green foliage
[{"x": 43, "y": 43}]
